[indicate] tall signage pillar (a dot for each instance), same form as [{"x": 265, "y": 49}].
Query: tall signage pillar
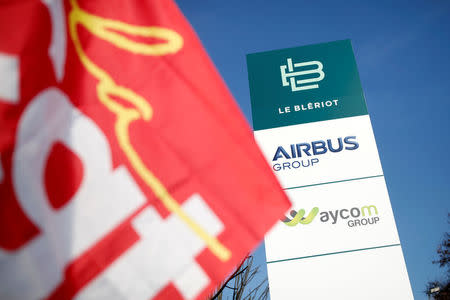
[{"x": 339, "y": 240}]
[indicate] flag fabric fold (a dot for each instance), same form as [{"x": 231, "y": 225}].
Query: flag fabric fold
[{"x": 126, "y": 169}]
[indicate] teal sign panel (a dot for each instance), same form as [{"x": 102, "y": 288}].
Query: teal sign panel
[{"x": 304, "y": 84}]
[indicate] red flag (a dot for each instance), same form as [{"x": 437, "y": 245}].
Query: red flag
[{"x": 126, "y": 169}]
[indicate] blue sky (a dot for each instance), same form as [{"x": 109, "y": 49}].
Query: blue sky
[{"x": 402, "y": 50}]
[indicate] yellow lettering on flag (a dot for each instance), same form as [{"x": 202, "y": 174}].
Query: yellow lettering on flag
[{"x": 108, "y": 30}]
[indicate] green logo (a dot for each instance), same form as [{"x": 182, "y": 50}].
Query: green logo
[
  {"x": 354, "y": 217},
  {"x": 298, "y": 217}
]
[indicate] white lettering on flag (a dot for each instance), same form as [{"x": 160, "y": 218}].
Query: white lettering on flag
[{"x": 167, "y": 247}]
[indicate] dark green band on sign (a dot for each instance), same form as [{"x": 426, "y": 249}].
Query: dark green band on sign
[
  {"x": 333, "y": 253},
  {"x": 304, "y": 84}
]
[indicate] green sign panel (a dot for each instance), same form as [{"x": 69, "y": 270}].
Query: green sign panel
[{"x": 304, "y": 84}]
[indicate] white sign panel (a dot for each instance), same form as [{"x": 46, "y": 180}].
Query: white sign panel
[{"x": 339, "y": 239}]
